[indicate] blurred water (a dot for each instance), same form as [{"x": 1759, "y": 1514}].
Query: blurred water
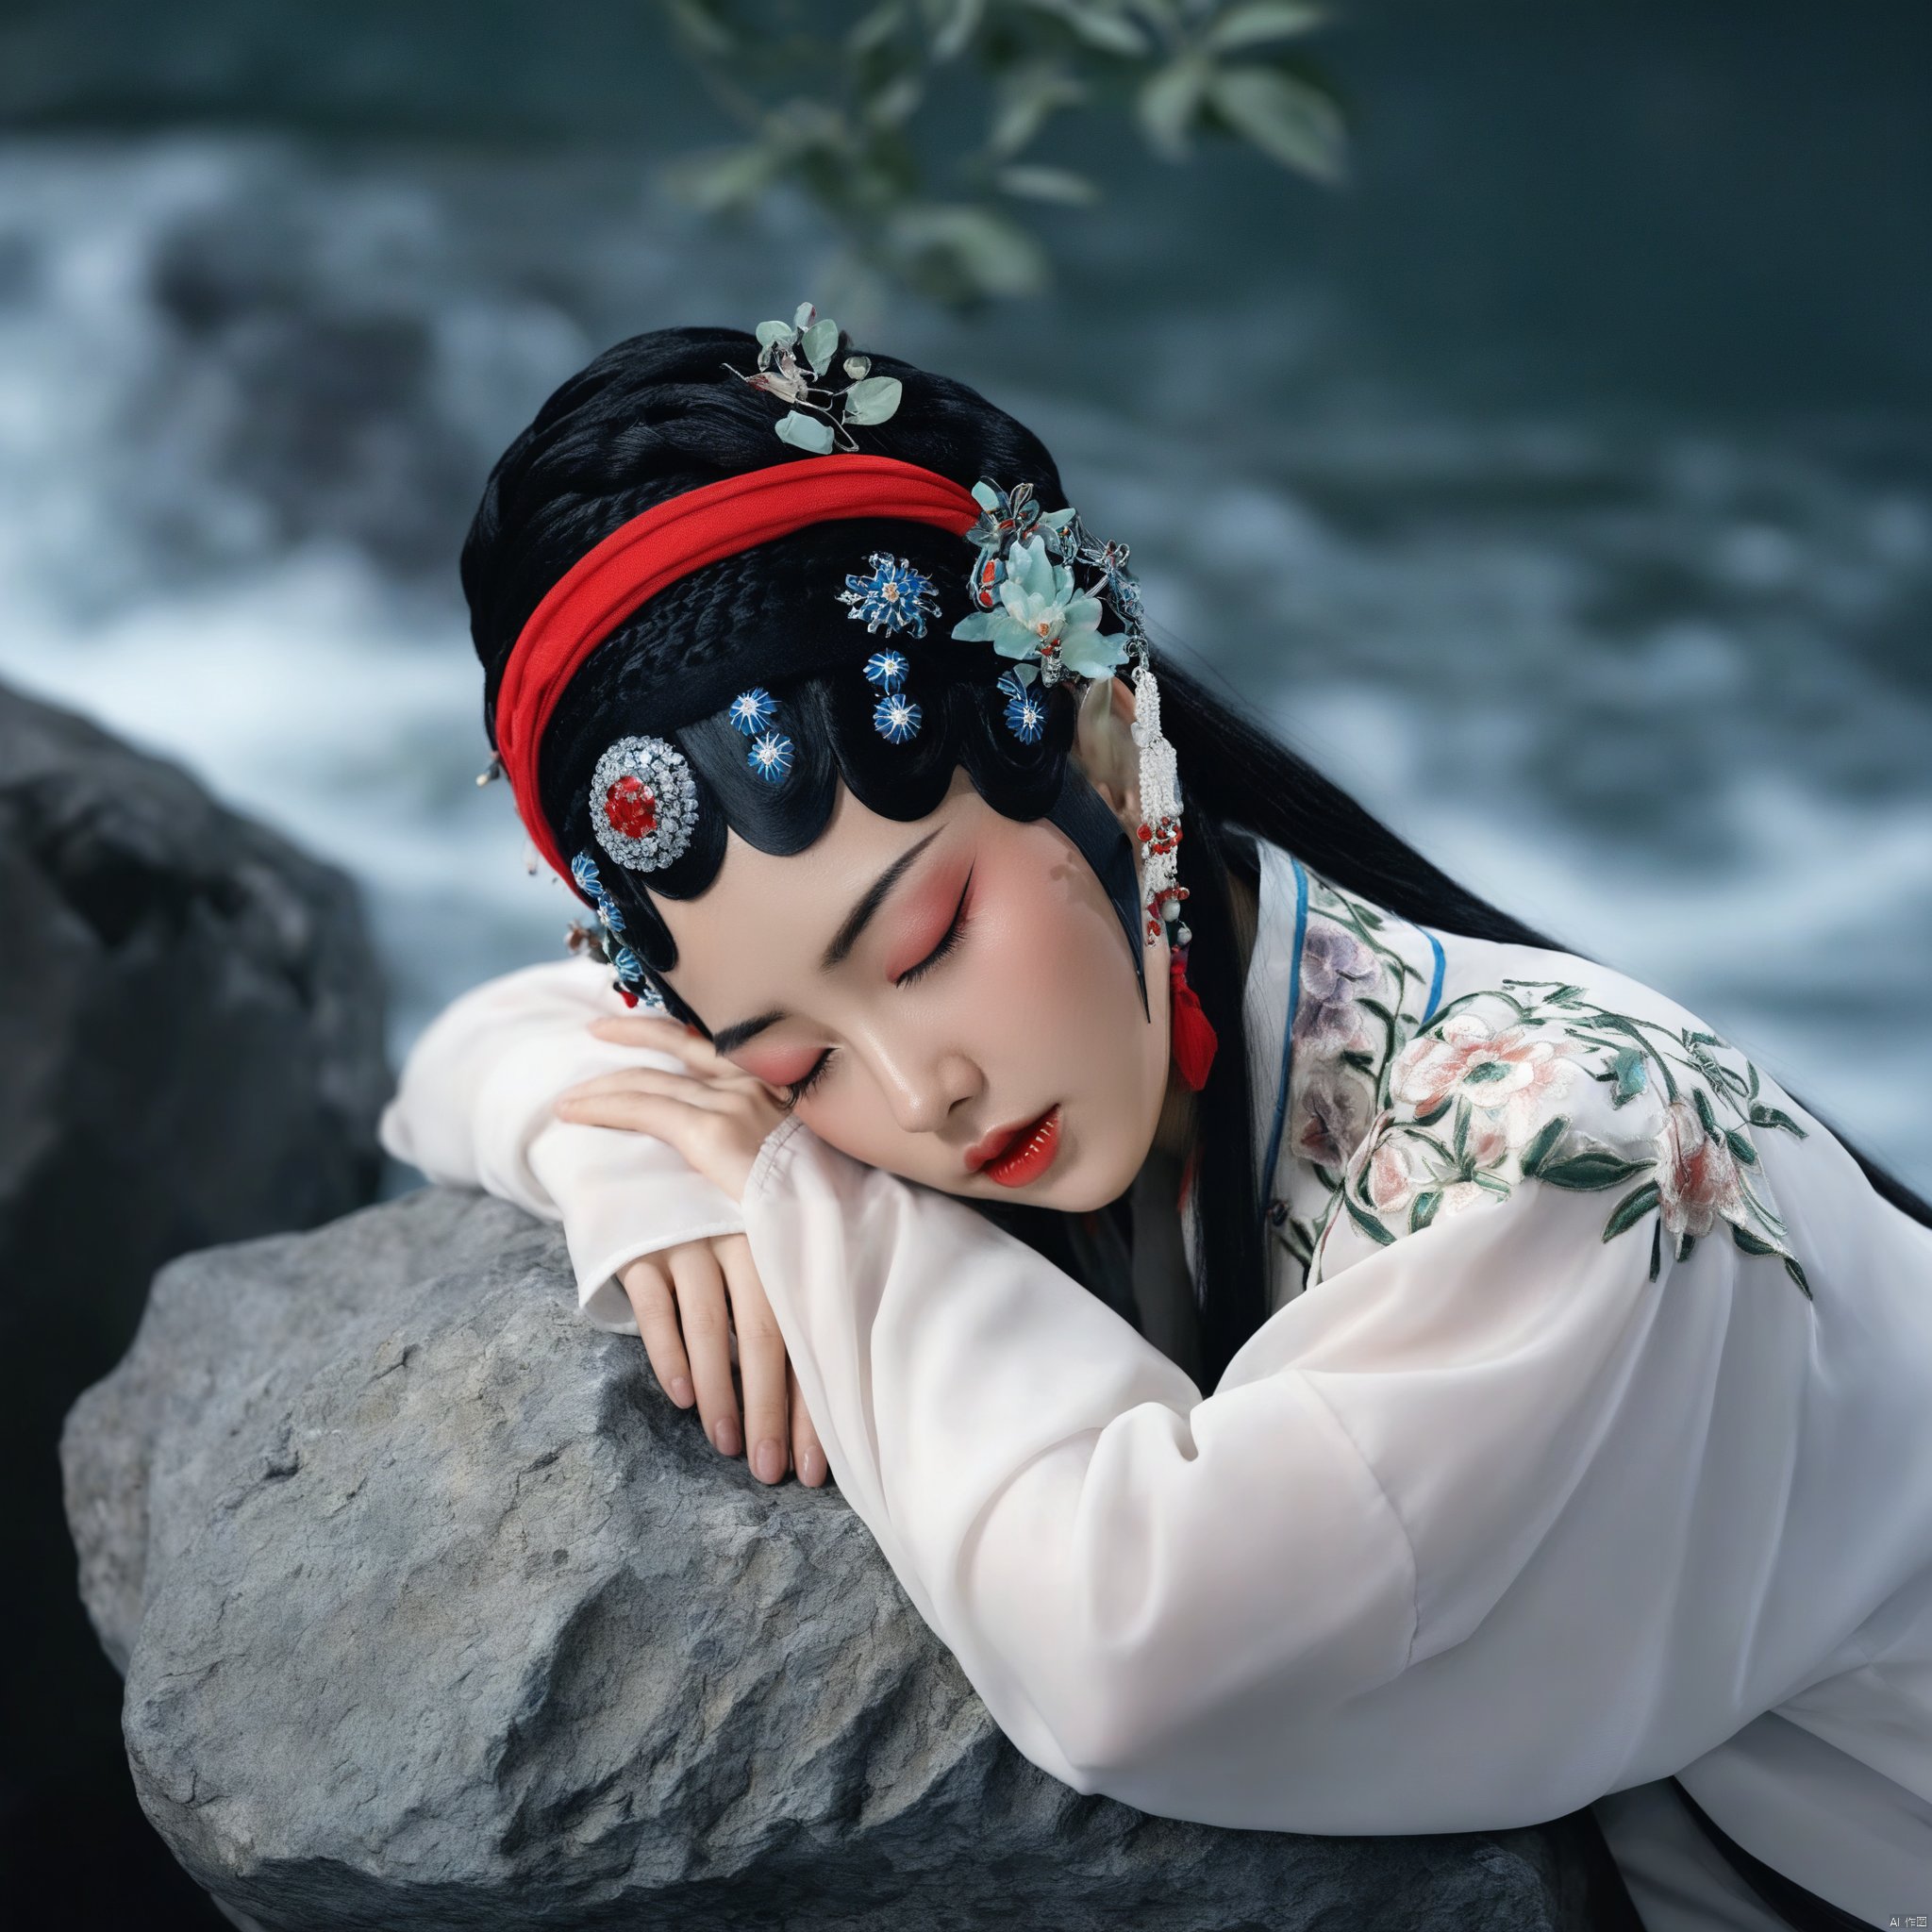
[{"x": 1656, "y": 678}]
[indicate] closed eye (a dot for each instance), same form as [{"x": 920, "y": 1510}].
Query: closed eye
[
  {"x": 797, "y": 1089},
  {"x": 948, "y": 940}
]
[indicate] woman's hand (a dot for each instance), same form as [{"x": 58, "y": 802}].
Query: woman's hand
[
  {"x": 689, "y": 1299},
  {"x": 679, "y": 1296},
  {"x": 715, "y": 1114}
]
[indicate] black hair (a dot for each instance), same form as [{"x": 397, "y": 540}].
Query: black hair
[{"x": 663, "y": 413}]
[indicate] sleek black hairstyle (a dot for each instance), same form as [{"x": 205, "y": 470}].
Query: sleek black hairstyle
[{"x": 660, "y": 414}]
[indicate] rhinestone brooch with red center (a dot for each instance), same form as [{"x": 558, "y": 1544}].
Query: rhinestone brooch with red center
[{"x": 643, "y": 803}]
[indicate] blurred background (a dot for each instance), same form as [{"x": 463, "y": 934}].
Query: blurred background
[{"x": 1555, "y": 470}]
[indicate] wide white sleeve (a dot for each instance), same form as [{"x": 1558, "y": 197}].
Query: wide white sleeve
[
  {"x": 473, "y": 1108},
  {"x": 1430, "y": 1557}
]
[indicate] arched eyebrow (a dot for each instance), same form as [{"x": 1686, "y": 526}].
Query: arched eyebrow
[{"x": 728, "y": 1040}]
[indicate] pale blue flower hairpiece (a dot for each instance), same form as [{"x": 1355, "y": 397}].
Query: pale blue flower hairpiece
[{"x": 866, "y": 398}]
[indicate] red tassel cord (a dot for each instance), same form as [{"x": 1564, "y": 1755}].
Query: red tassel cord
[{"x": 1190, "y": 1032}]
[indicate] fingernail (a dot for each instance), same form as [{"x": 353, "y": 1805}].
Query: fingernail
[
  {"x": 681, "y": 1392},
  {"x": 725, "y": 1433},
  {"x": 812, "y": 1466},
  {"x": 768, "y": 1460}
]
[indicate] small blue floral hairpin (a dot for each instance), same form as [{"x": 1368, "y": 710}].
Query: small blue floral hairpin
[
  {"x": 1025, "y": 708},
  {"x": 896, "y": 597},
  {"x": 770, "y": 752},
  {"x": 610, "y": 944}
]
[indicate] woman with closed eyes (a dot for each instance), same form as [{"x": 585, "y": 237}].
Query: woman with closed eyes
[{"x": 1324, "y": 1356}]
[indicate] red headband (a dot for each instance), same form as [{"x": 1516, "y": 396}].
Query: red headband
[{"x": 669, "y": 540}]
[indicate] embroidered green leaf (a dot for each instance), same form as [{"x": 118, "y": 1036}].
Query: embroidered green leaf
[
  {"x": 1376, "y": 1008},
  {"x": 1763, "y": 1116},
  {"x": 1706, "y": 1113},
  {"x": 1587, "y": 1171},
  {"x": 1750, "y": 1067},
  {"x": 1425, "y": 1209},
  {"x": 1368, "y": 1223},
  {"x": 1544, "y": 1143},
  {"x": 1493, "y": 1182},
  {"x": 1355, "y": 1057},
  {"x": 1740, "y": 1144},
  {"x": 1685, "y": 1243},
  {"x": 1631, "y": 1209},
  {"x": 1462, "y": 1131},
  {"x": 1486, "y": 1071},
  {"x": 1749, "y": 1242},
  {"x": 1656, "y": 1246},
  {"x": 1691, "y": 1038},
  {"x": 1436, "y": 1113},
  {"x": 1631, "y": 1072},
  {"x": 1797, "y": 1274}
]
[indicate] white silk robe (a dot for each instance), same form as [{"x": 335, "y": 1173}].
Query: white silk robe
[{"x": 1588, "y": 1439}]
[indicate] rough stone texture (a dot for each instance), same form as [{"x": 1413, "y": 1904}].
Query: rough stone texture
[
  {"x": 439, "y": 1614},
  {"x": 190, "y": 1051}
]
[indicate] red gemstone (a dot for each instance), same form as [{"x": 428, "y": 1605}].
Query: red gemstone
[{"x": 631, "y": 806}]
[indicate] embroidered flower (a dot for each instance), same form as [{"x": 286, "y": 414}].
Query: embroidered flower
[
  {"x": 1337, "y": 968},
  {"x": 1697, "y": 1178},
  {"x": 1518, "y": 1074},
  {"x": 1328, "y": 1114},
  {"x": 1041, "y": 614},
  {"x": 752, "y": 709},
  {"x": 770, "y": 756},
  {"x": 896, "y": 597},
  {"x": 895, "y": 717}
]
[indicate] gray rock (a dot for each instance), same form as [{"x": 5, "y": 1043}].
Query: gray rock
[
  {"x": 438, "y": 1613},
  {"x": 190, "y": 1051}
]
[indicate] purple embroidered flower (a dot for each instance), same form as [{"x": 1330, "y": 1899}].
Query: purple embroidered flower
[{"x": 1336, "y": 969}]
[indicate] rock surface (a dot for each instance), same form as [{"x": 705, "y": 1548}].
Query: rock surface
[
  {"x": 438, "y": 1613},
  {"x": 190, "y": 1051}
]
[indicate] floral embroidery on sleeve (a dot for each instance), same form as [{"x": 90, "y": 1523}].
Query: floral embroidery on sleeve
[
  {"x": 1473, "y": 1108},
  {"x": 1358, "y": 999}
]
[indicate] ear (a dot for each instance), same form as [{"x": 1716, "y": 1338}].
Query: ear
[{"x": 1104, "y": 750}]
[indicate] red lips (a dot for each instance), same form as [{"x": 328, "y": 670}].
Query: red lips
[{"x": 1014, "y": 1156}]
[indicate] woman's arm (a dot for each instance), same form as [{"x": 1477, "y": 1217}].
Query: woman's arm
[{"x": 473, "y": 1108}]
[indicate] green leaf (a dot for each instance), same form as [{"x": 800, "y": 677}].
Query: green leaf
[
  {"x": 771, "y": 332},
  {"x": 1027, "y": 96},
  {"x": 984, "y": 250},
  {"x": 1376, "y": 1008},
  {"x": 894, "y": 102},
  {"x": 805, "y": 432},
  {"x": 1485, "y": 1071},
  {"x": 1685, "y": 1243},
  {"x": 1763, "y": 1116},
  {"x": 1436, "y": 1113},
  {"x": 954, "y": 22},
  {"x": 1740, "y": 1144},
  {"x": 1098, "y": 24},
  {"x": 1169, "y": 103},
  {"x": 1423, "y": 1211},
  {"x": 697, "y": 19},
  {"x": 1543, "y": 1144},
  {"x": 1752, "y": 1070},
  {"x": 1632, "y": 1073},
  {"x": 1368, "y": 1223},
  {"x": 1706, "y": 1113},
  {"x": 1588, "y": 1172},
  {"x": 1047, "y": 184},
  {"x": 1286, "y": 118},
  {"x": 1797, "y": 1274},
  {"x": 1355, "y": 1057},
  {"x": 713, "y": 180},
  {"x": 1749, "y": 1242},
  {"x": 1261, "y": 21},
  {"x": 1631, "y": 1209},
  {"x": 1656, "y": 1246},
  {"x": 821, "y": 343},
  {"x": 872, "y": 29},
  {"x": 872, "y": 400}
]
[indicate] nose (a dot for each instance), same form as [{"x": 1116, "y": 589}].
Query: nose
[{"x": 924, "y": 1084}]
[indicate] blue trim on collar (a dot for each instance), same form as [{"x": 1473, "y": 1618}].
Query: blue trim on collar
[
  {"x": 1436, "y": 984},
  {"x": 1294, "y": 988}
]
